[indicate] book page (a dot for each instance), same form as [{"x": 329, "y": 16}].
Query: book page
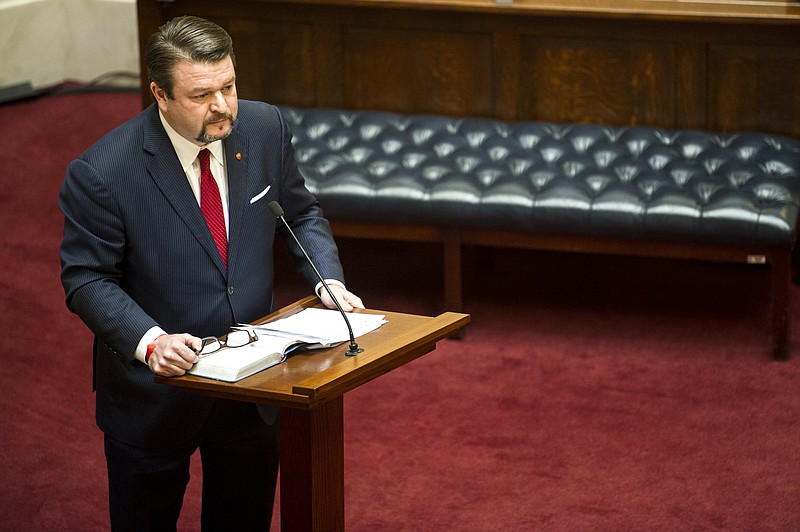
[
  {"x": 234, "y": 363},
  {"x": 324, "y": 326}
]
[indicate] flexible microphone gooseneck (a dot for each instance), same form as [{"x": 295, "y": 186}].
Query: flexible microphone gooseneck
[{"x": 277, "y": 210}]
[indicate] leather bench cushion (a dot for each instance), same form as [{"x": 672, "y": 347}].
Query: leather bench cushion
[{"x": 584, "y": 179}]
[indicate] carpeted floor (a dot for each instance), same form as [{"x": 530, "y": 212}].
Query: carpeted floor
[{"x": 590, "y": 393}]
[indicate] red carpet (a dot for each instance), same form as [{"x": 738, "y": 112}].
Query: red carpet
[{"x": 590, "y": 393}]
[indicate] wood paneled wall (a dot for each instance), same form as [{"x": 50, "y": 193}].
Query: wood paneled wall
[{"x": 712, "y": 65}]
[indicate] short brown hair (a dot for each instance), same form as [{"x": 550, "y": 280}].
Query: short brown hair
[{"x": 184, "y": 38}]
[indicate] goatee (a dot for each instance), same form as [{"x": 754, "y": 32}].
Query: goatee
[{"x": 206, "y": 138}]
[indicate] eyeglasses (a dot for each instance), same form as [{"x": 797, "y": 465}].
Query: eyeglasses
[{"x": 237, "y": 338}]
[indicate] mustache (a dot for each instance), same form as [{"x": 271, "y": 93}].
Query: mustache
[{"x": 217, "y": 117}]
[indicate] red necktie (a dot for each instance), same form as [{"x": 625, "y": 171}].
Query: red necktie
[{"x": 211, "y": 205}]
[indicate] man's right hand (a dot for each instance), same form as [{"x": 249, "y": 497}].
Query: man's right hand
[{"x": 174, "y": 354}]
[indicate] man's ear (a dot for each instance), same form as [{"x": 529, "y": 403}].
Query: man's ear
[{"x": 160, "y": 95}]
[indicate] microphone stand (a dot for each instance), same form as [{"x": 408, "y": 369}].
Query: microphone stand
[{"x": 277, "y": 210}]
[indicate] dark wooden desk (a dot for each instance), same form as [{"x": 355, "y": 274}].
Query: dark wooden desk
[{"x": 309, "y": 388}]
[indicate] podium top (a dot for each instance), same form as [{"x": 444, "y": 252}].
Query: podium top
[{"x": 308, "y": 378}]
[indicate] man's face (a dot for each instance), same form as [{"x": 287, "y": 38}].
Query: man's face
[{"x": 204, "y": 103}]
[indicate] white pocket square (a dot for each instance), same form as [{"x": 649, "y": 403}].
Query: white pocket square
[{"x": 260, "y": 195}]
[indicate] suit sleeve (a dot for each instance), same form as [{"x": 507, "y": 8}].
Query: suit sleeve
[
  {"x": 91, "y": 254},
  {"x": 305, "y": 216}
]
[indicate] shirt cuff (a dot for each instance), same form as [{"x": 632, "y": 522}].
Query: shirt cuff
[
  {"x": 319, "y": 287},
  {"x": 148, "y": 338}
]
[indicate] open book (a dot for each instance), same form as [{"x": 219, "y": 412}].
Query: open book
[{"x": 311, "y": 328}]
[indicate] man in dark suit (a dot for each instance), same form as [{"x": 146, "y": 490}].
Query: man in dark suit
[{"x": 142, "y": 268}]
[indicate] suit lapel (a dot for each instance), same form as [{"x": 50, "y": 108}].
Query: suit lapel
[{"x": 236, "y": 162}]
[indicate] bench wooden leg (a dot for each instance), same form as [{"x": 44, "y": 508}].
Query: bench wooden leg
[
  {"x": 453, "y": 283},
  {"x": 781, "y": 283}
]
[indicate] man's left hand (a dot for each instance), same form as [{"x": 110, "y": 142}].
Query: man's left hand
[{"x": 347, "y": 299}]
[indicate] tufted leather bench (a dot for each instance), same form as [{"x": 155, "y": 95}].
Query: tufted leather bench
[{"x": 636, "y": 191}]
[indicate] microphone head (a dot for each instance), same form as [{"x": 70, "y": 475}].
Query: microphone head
[{"x": 276, "y": 209}]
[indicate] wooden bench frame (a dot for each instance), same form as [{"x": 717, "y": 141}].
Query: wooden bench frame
[{"x": 453, "y": 239}]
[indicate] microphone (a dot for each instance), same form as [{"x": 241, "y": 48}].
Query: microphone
[{"x": 277, "y": 210}]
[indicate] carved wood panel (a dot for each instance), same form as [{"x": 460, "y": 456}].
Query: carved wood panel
[
  {"x": 437, "y": 72},
  {"x": 755, "y": 88},
  {"x": 274, "y": 60},
  {"x": 605, "y": 81}
]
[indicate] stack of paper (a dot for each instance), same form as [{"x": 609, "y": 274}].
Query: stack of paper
[{"x": 321, "y": 326}]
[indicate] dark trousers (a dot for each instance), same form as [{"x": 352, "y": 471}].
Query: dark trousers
[{"x": 239, "y": 454}]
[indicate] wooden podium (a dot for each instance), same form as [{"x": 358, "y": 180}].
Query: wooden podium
[{"x": 309, "y": 388}]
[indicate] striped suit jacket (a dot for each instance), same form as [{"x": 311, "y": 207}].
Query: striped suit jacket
[{"x": 137, "y": 253}]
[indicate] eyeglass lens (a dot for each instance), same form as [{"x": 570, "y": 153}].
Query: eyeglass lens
[{"x": 237, "y": 338}]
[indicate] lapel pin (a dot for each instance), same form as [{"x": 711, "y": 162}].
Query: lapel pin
[{"x": 238, "y": 156}]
